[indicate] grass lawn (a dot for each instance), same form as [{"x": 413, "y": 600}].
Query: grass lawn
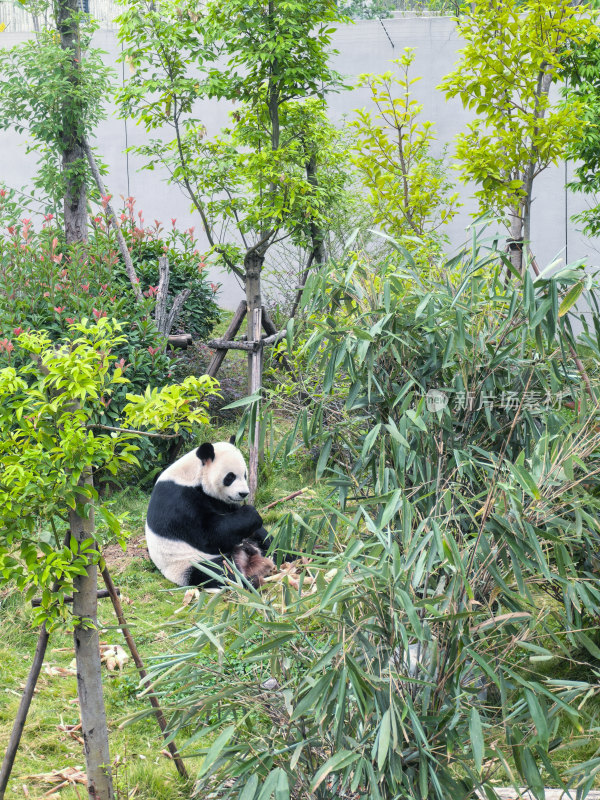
[{"x": 153, "y": 608}]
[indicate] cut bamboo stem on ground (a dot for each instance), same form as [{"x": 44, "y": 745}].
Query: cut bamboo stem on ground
[
  {"x": 508, "y": 793},
  {"x": 284, "y": 499}
]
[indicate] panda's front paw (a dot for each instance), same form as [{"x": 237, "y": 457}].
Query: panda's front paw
[{"x": 251, "y": 517}]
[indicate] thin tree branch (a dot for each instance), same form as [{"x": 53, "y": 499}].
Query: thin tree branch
[{"x": 112, "y": 220}]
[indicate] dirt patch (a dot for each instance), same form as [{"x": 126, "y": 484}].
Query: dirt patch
[{"x": 117, "y": 559}]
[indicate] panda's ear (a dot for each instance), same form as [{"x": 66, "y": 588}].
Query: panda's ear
[
  {"x": 232, "y": 439},
  {"x": 206, "y": 452}
]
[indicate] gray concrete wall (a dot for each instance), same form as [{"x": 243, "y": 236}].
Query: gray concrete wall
[{"x": 366, "y": 46}]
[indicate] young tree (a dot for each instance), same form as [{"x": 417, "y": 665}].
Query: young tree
[
  {"x": 409, "y": 193},
  {"x": 55, "y": 96},
  {"x": 260, "y": 180},
  {"x": 582, "y": 75},
  {"x": 511, "y": 58}
]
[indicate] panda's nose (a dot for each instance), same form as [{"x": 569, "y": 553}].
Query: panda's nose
[{"x": 243, "y": 494}]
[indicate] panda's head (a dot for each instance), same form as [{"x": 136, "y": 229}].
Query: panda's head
[{"x": 223, "y": 474}]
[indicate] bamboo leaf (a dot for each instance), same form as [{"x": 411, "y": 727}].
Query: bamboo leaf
[
  {"x": 476, "y": 734},
  {"x": 336, "y": 762}
]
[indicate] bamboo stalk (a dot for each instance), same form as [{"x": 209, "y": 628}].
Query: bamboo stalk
[{"x": 284, "y": 499}]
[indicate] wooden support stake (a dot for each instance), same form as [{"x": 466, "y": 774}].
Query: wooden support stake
[
  {"x": 26, "y": 697},
  {"x": 276, "y": 337},
  {"x": 231, "y": 331},
  {"x": 112, "y": 220},
  {"x": 230, "y": 344},
  {"x": 160, "y": 717},
  {"x": 255, "y": 386},
  {"x": 243, "y": 344},
  {"x": 271, "y": 330},
  {"x": 68, "y": 598},
  {"x": 19, "y": 723}
]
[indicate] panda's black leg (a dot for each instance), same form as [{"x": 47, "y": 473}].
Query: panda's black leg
[{"x": 197, "y": 577}]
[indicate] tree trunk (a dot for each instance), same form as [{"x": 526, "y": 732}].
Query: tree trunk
[
  {"x": 165, "y": 319},
  {"x": 73, "y": 144},
  {"x": 515, "y": 242},
  {"x": 87, "y": 654}
]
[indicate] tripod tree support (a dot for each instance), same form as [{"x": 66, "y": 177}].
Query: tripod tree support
[{"x": 254, "y": 345}]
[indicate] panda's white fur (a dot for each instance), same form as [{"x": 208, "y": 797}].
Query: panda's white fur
[
  {"x": 189, "y": 470},
  {"x": 177, "y": 511},
  {"x": 173, "y": 559}
]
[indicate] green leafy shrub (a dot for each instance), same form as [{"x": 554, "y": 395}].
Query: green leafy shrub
[
  {"x": 459, "y": 560},
  {"x": 410, "y": 375},
  {"x": 46, "y": 286},
  {"x": 187, "y": 269}
]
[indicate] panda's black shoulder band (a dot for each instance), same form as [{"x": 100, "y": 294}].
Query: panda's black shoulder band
[{"x": 206, "y": 452}]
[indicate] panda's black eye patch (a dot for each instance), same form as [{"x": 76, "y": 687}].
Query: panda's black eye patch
[{"x": 228, "y": 479}]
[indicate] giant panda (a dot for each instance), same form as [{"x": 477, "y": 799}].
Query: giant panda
[{"x": 196, "y": 515}]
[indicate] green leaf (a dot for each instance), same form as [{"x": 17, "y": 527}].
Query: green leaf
[
  {"x": 244, "y": 401},
  {"x": 383, "y": 739},
  {"x": 216, "y": 749},
  {"x": 336, "y": 762},
  {"x": 570, "y": 299},
  {"x": 323, "y": 457},
  {"x": 249, "y": 790},
  {"x": 476, "y": 735}
]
